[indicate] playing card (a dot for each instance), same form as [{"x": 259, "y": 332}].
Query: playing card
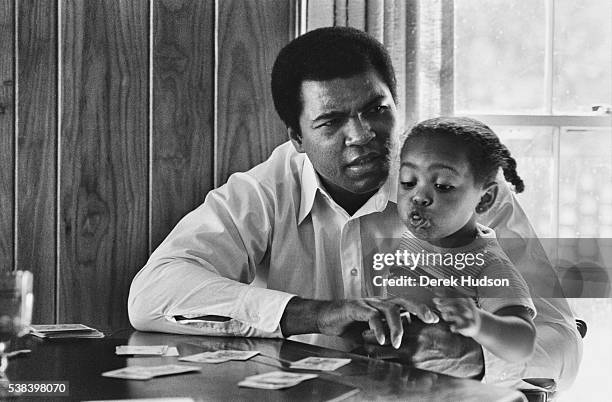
[
  {"x": 206, "y": 357},
  {"x": 263, "y": 384},
  {"x": 171, "y": 352},
  {"x": 235, "y": 354},
  {"x": 220, "y": 356},
  {"x": 61, "y": 331},
  {"x": 148, "y": 372},
  {"x": 320, "y": 363},
  {"x": 60, "y": 327},
  {"x": 156, "y": 350},
  {"x": 129, "y": 373},
  {"x": 168, "y": 369},
  {"x": 275, "y": 380}
]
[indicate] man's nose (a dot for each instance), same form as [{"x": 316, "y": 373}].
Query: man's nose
[{"x": 358, "y": 131}]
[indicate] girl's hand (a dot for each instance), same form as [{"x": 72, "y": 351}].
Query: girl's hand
[{"x": 461, "y": 313}]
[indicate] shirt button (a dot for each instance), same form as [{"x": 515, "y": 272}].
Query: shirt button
[
  {"x": 354, "y": 272},
  {"x": 254, "y": 317}
]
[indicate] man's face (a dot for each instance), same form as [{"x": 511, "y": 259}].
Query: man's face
[{"x": 346, "y": 126}]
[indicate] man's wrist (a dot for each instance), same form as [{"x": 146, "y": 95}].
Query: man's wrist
[{"x": 301, "y": 316}]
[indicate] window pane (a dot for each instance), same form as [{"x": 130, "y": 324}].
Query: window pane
[
  {"x": 585, "y": 196},
  {"x": 585, "y": 174},
  {"x": 499, "y": 56},
  {"x": 582, "y": 55},
  {"x": 533, "y": 150}
]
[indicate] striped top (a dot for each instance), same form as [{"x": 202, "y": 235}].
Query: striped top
[{"x": 480, "y": 270}]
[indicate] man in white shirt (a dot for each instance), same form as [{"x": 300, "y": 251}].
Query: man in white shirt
[{"x": 286, "y": 247}]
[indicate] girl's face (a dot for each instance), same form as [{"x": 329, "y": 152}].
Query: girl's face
[{"x": 437, "y": 194}]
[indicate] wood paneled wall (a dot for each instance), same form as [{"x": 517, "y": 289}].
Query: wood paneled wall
[{"x": 116, "y": 118}]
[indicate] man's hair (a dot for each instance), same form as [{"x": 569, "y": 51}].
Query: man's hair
[
  {"x": 325, "y": 54},
  {"x": 485, "y": 152}
]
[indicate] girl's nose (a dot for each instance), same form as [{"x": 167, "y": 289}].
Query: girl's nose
[{"x": 421, "y": 200}]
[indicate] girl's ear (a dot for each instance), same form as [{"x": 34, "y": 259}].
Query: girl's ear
[
  {"x": 488, "y": 198},
  {"x": 296, "y": 138}
]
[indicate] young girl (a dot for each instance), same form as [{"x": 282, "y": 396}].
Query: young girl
[{"x": 447, "y": 178}]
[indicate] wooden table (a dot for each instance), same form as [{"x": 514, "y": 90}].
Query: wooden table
[{"x": 80, "y": 362}]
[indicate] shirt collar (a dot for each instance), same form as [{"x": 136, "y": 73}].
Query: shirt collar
[{"x": 311, "y": 184}]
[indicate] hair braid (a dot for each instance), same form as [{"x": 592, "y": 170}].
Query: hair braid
[
  {"x": 486, "y": 153},
  {"x": 509, "y": 168}
]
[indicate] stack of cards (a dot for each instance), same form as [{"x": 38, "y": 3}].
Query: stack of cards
[
  {"x": 156, "y": 350},
  {"x": 320, "y": 363},
  {"x": 148, "y": 372},
  {"x": 220, "y": 356},
  {"x": 63, "y": 331},
  {"x": 275, "y": 380}
]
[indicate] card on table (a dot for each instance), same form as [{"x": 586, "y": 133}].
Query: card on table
[
  {"x": 320, "y": 363},
  {"x": 171, "y": 352},
  {"x": 151, "y": 350},
  {"x": 206, "y": 357},
  {"x": 275, "y": 380},
  {"x": 236, "y": 354},
  {"x": 60, "y": 331},
  {"x": 60, "y": 327},
  {"x": 220, "y": 356},
  {"x": 148, "y": 372}
]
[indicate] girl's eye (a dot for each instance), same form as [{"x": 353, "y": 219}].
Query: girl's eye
[
  {"x": 406, "y": 185},
  {"x": 444, "y": 187}
]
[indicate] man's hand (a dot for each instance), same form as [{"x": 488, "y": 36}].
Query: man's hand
[
  {"x": 461, "y": 313},
  {"x": 339, "y": 316}
]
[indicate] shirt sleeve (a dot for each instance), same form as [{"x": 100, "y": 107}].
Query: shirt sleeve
[
  {"x": 515, "y": 293},
  {"x": 205, "y": 268}
]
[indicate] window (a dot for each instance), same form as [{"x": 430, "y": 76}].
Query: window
[{"x": 540, "y": 74}]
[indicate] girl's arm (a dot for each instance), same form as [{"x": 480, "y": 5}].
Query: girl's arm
[{"x": 509, "y": 333}]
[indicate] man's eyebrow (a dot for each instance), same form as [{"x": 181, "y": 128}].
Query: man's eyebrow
[
  {"x": 339, "y": 113},
  {"x": 330, "y": 115},
  {"x": 434, "y": 166},
  {"x": 374, "y": 101}
]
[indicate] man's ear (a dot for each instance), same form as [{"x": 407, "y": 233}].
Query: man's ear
[
  {"x": 488, "y": 198},
  {"x": 296, "y": 138}
]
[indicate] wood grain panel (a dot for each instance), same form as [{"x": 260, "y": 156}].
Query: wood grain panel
[
  {"x": 37, "y": 150},
  {"x": 7, "y": 133},
  {"x": 104, "y": 161},
  {"x": 251, "y": 33},
  {"x": 183, "y": 105}
]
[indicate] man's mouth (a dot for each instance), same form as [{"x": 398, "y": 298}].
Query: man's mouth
[{"x": 365, "y": 159}]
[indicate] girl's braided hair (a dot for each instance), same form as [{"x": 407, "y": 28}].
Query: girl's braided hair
[{"x": 486, "y": 154}]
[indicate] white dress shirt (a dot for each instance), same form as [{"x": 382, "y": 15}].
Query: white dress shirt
[{"x": 274, "y": 232}]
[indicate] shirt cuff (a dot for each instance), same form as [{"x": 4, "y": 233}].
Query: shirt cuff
[{"x": 261, "y": 308}]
